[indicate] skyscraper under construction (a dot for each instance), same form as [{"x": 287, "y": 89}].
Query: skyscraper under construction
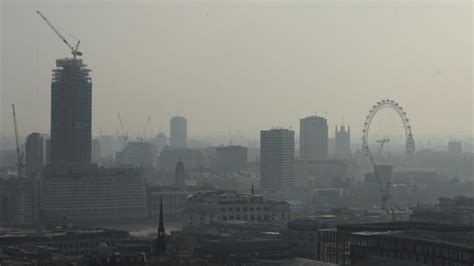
[{"x": 71, "y": 112}]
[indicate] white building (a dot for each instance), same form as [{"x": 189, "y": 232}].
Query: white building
[{"x": 210, "y": 207}]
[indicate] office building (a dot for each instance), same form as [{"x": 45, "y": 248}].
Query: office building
[
  {"x": 178, "y": 131},
  {"x": 71, "y": 112},
  {"x": 231, "y": 159},
  {"x": 313, "y": 138},
  {"x": 18, "y": 200},
  {"x": 34, "y": 154},
  {"x": 277, "y": 155},
  {"x": 137, "y": 153},
  {"x": 81, "y": 193},
  {"x": 343, "y": 143}
]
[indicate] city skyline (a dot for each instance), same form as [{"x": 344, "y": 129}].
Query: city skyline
[{"x": 204, "y": 94}]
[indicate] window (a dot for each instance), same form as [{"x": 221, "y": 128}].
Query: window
[{"x": 224, "y": 217}]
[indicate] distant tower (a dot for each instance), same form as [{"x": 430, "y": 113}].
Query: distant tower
[
  {"x": 455, "y": 147},
  {"x": 160, "y": 247},
  {"x": 179, "y": 174},
  {"x": 71, "y": 112},
  {"x": 277, "y": 154},
  {"x": 178, "y": 131},
  {"x": 34, "y": 154},
  {"x": 343, "y": 143},
  {"x": 313, "y": 138}
]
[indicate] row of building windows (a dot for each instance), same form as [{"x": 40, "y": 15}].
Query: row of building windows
[
  {"x": 237, "y": 209},
  {"x": 245, "y": 217}
]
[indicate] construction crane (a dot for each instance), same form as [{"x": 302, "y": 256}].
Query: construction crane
[
  {"x": 19, "y": 154},
  {"x": 74, "y": 50},
  {"x": 124, "y": 134},
  {"x": 382, "y": 143},
  {"x": 143, "y": 134}
]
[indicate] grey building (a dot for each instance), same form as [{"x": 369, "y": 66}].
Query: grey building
[
  {"x": 343, "y": 143},
  {"x": 178, "y": 131},
  {"x": 313, "y": 138},
  {"x": 192, "y": 158},
  {"x": 81, "y": 193},
  {"x": 277, "y": 155},
  {"x": 71, "y": 112},
  {"x": 231, "y": 159},
  {"x": 455, "y": 147},
  {"x": 138, "y": 153},
  {"x": 95, "y": 151},
  {"x": 34, "y": 155}
]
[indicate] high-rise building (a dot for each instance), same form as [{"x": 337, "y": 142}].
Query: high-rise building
[
  {"x": 313, "y": 138},
  {"x": 71, "y": 112},
  {"x": 178, "y": 131},
  {"x": 277, "y": 155},
  {"x": 343, "y": 143},
  {"x": 34, "y": 156}
]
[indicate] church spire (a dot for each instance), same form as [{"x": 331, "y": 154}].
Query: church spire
[{"x": 160, "y": 248}]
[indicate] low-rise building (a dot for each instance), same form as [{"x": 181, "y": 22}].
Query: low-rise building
[
  {"x": 210, "y": 207},
  {"x": 90, "y": 194}
]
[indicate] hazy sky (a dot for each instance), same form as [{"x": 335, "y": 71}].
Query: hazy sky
[{"x": 248, "y": 65}]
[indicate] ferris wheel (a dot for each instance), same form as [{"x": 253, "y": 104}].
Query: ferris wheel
[{"x": 409, "y": 141}]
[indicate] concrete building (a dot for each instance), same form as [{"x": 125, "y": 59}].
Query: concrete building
[
  {"x": 18, "y": 200},
  {"x": 211, "y": 207},
  {"x": 88, "y": 194},
  {"x": 71, "y": 112},
  {"x": 313, "y": 138},
  {"x": 343, "y": 143},
  {"x": 321, "y": 173},
  {"x": 178, "y": 131},
  {"x": 451, "y": 211},
  {"x": 34, "y": 154},
  {"x": 137, "y": 153},
  {"x": 277, "y": 155},
  {"x": 231, "y": 159},
  {"x": 174, "y": 200},
  {"x": 95, "y": 151},
  {"x": 455, "y": 147},
  {"x": 70, "y": 242}
]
